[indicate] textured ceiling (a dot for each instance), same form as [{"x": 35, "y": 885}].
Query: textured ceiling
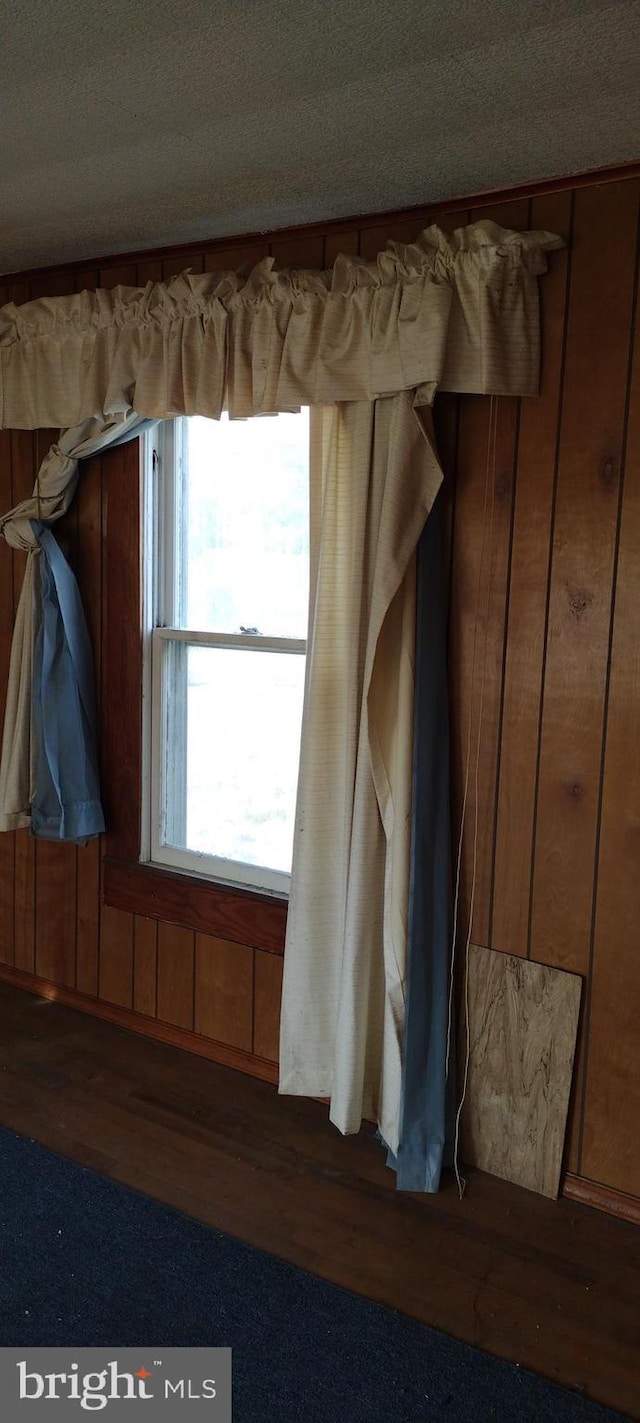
[{"x": 131, "y": 125}]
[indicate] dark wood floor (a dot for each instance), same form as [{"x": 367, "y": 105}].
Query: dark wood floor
[{"x": 552, "y": 1286}]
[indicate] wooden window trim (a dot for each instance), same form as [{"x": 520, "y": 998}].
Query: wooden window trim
[{"x": 241, "y": 916}]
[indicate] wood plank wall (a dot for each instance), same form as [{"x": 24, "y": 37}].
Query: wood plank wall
[{"x": 544, "y": 502}]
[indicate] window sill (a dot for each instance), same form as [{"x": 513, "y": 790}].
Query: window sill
[{"x": 237, "y": 915}]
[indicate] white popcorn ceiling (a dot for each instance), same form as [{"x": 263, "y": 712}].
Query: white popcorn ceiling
[{"x": 132, "y": 124}]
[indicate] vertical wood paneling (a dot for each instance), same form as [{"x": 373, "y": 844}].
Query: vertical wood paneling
[
  {"x": 229, "y": 259},
  {"x": 268, "y": 992},
  {"x": 611, "y": 1143},
  {"x": 529, "y": 571},
  {"x": 224, "y": 991},
  {"x": 148, "y": 271},
  {"x": 300, "y": 252},
  {"x": 449, "y": 221},
  {"x": 374, "y": 239},
  {"x": 347, "y": 240},
  {"x": 485, "y": 743},
  {"x": 598, "y": 333},
  {"x": 175, "y": 975},
  {"x": 485, "y": 482},
  {"x": 145, "y": 965},
  {"x": 57, "y": 284},
  {"x": 115, "y": 972},
  {"x": 88, "y": 917},
  {"x": 479, "y": 586},
  {"x": 182, "y": 262},
  {"x": 24, "y": 900},
  {"x": 125, "y": 275},
  {"x": 486, "y": 721},
  {"x": 544, "y": 603},
  {"x": 56, "y": 915}
]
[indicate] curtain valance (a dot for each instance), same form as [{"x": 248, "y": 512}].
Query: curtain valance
[{"x": 458, "y": 313}]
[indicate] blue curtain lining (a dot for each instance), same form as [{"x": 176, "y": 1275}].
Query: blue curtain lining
[
  {"x": 427, "y": 1109},
  {"x": 66, "y": 794}
]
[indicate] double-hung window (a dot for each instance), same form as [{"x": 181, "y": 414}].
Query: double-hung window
[{"x": 226, "y": 571}]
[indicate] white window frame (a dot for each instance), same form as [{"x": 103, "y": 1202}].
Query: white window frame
[{"x": 162, "y": 455}]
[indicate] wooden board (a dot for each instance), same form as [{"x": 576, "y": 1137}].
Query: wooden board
[{"x": 523, "y": 1020}]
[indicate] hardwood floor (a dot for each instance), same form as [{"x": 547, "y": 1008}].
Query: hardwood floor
[{"x": 553, "y": 1286}]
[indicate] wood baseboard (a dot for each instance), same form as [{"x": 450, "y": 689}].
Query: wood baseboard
[
  {"x": 602, "y": 1198},
  {"x": 148, "y": 1027}
]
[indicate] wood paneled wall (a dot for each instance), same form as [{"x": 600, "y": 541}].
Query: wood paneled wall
[{"x": 544, "y": 499}]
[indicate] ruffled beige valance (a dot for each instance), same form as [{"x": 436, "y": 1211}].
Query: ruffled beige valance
[{"x": 456, "y": 313}]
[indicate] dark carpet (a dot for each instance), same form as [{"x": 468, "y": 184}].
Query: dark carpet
[{"x": 85, "y": 1261}]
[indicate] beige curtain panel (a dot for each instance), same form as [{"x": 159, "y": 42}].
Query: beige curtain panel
[
  {"x": 375, "y": 475},
  {"x": 456, "y": 313},
  {"x": 369, "y": 343}
]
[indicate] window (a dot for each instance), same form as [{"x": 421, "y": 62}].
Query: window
[{"x": 226, "y": 567}]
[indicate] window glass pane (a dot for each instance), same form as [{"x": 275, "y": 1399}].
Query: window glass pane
[
  {"x": 246, "y": 550},
  {"x": 243, "y": 718}
]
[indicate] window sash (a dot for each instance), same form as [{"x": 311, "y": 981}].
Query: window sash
[
  {"x": 242, "y": 640},
  {"x": 168, "y": 798}
]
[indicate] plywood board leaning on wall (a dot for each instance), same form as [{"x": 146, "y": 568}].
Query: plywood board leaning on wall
[{"x": 523, "y": 1021}]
